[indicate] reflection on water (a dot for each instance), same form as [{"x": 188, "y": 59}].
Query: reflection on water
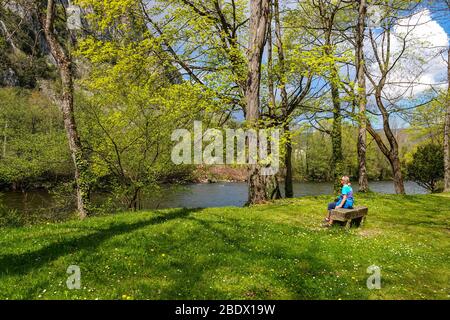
[
  {"x": 235, "y": 193},
  {"x": 199, "y": 195}
]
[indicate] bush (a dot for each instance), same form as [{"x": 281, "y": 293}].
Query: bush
[
  {"x": 9, "y": 218},
  {"x": 427, "y": 166}
]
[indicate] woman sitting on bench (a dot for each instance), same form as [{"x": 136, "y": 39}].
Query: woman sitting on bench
[{"x": 345, "y": 200}]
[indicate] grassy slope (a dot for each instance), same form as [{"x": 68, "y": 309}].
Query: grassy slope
[{"x": 276, "y": 251}]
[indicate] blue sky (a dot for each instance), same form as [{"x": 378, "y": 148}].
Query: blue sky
[{"x": 442, "y": 17}]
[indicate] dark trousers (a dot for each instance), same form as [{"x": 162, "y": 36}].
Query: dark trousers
[{"x": 331, "y": 206}]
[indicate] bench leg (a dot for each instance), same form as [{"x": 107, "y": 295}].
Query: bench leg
[
  {"x": 358, "y": 221},
  {"x": 348, "y": 224},
  {"x": 363, "y": 220}
]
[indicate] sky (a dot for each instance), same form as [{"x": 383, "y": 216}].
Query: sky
[
  {"x": 442, "y": 17},
  {"x": 426, "y": 62},
  {"x": 425, "y": 58}
]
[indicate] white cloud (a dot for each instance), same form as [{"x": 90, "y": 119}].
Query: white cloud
[{"x": 421, "y": 64}]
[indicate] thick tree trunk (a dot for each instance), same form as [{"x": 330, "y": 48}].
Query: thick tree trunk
[
  {"x": 273, "y": 187},
  {"x": 259, "y": 14},
  {"x": 447, "y": 133},
  {"x": 361, "y": 97},
  {"x": 65, "y": 69},
  {"x": 337, "y": 160}
]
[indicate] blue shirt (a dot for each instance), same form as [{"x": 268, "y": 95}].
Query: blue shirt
[{"x": 346, "y": 191}]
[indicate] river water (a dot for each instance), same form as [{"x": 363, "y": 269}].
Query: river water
[{"x": 197, "y": 195}]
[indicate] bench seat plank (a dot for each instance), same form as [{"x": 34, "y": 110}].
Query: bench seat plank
[{"x": 348, "y": 214}]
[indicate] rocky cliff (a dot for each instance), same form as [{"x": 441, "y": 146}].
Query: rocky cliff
[{"x": 24, "y": 56}]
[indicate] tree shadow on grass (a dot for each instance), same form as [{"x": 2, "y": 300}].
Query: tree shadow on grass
[
  {"x": 296, "y": 279},
  {"x": 14, "y": 264}
]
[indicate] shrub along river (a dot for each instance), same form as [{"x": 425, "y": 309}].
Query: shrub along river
[{"x": 194, "y": 195}]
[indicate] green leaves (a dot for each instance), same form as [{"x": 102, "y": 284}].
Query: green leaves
[
  {"x": 427, "y": 166},
  {"x": 33, "y": 141}
]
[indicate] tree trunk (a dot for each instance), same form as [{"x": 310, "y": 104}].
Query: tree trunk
[
  {"x": 288, "y": 184},
  {"x": 65, "y": 70},
  {"x": 259, "y": 14},
  {"x": 133, "y": 201},
  {"x": 398, "y": 178},
  {"x": 391, "y": 151},
  {"x": 447, "y": 133},
  {"x": 337, "y": 157},
  {"x": 337, "y": 160},
  {"x": 391, "y": 155},
  {"x": 5, "y": 138},
  {"x": 361, "y": 98},
  {"x": 273, "y": 187}
]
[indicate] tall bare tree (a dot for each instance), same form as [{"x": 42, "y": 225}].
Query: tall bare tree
[
  {"x": 385, "y": 63},
  {"x": 361, "y": 95},
  {"x": 328, "y": 16},
  {"x": 64, "y": 63},
  {"x": 281, "y": 111},
  {"x": 288, "y": 186},
  {"x": 259, "y": 17}
]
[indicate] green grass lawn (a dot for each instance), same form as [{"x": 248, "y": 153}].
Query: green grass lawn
[{"x": 274, "y": 251}]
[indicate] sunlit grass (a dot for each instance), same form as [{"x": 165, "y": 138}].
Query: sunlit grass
[{"x": 274, "y": 251}]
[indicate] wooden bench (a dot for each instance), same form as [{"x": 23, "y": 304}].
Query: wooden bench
[{"x": 349, "y": 217}]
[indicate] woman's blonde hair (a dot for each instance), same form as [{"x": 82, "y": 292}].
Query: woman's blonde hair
[{"x": 346, "y": 179}]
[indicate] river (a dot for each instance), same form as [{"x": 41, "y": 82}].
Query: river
[{"x": 197, "y": 195}]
